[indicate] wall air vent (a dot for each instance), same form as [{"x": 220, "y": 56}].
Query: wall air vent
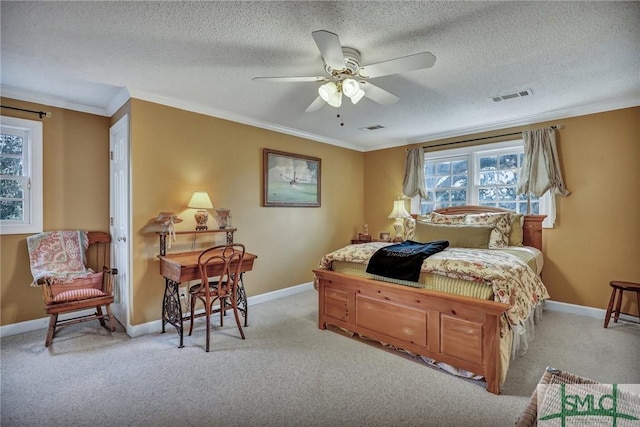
[
  {"x": 518, "y": 94},
  {"x": 374, "y": 127}
]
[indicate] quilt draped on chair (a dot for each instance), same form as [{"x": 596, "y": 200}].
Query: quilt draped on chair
[{"x": 58, "y": 256}]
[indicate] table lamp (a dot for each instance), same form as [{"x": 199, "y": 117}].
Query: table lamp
[
  {"x": 399, "y": 213},
  {"x": 201, "y": 201}
]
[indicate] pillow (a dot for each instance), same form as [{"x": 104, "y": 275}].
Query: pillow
[
  {"x": 431, "y": 218},
  {"x": 501, "y": 223},
  {"x": 437, "y": 218},
  {"x": 458, "y": 236},
  {"x": 79, "y": 294},
  {"x": 516, "y": 236}
]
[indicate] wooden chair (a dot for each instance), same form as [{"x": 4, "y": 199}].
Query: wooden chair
[
  {"x": 219, "y": 268},
  {"x": 617, "y": 289},
  {"x": 91, "y": 292}
]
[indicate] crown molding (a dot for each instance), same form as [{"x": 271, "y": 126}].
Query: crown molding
[
  {"x": 50, "y": 100},
  {"x": 238, "y": 118},
  {"x": 580, "y": 110},
  {"x": 127, "y": 93},
  {"x": 118, "y": 101}
]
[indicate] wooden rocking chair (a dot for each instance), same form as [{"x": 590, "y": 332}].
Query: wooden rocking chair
[{"x": 90, "y": 292}]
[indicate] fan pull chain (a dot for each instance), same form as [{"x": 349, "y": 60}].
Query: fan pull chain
[{"x": 339, "y": 115}]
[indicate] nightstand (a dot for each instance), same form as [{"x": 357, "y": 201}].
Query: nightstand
[{"x": 358, "y": 241}]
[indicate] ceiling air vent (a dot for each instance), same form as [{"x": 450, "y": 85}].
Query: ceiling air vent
[
  {"x": 374, "y": 127},
  {"x": 518, "y": 94}
]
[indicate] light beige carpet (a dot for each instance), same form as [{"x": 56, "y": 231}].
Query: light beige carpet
[{"x": 286, "y": 373}]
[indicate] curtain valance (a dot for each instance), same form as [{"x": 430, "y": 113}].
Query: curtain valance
[
  {"x": 541, "y": 170},
  {"x": 414, "y": 180}
]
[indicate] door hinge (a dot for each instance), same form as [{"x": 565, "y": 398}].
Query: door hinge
[
  {"x": 111, "y": 221},
  {"x": 110, "y": 155}
]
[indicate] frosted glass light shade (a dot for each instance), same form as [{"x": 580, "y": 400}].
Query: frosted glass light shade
[
  {"x": 327, "y": 91},
  {"x": 357, "y": 96},
  {"x": 350, "y": 87},
  {"x": 335, "y": 100}
]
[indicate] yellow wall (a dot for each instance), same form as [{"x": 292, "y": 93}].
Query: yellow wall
[
  {"x": 175, "y": 152},
  {"x": 597, "y": 234},
  {"x": 76, "y": 195}
]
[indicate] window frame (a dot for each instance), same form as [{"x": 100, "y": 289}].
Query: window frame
[
  {"x": 473, "y": 154},
  {"x": 32, "y": 173}
]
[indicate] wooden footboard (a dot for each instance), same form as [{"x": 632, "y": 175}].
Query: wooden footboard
[{"x": 461, "y": 331}]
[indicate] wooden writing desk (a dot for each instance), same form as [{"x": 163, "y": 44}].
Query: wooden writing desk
[{"x": 183, "y": 267}]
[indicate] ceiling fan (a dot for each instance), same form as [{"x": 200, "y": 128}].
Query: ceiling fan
[{"x": 346, "y": 75}]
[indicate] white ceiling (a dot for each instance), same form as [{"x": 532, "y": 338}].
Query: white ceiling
[{"x": 576, "y": 57}]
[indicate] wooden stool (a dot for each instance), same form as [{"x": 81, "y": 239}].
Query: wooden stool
[{"x": 619, "y": 288}]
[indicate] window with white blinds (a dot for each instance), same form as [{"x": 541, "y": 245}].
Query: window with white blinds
[{"x": 20, "y": 176}]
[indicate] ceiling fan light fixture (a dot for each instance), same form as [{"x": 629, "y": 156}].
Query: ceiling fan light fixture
[
  {"x": 345, "y": 74},
  {"x": 350, "y": 87},
  {"x": 357, "y": 96},
  {"x": 327, "y": 91}
]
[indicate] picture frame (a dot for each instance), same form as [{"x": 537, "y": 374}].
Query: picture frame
[
  {"x": 290, "y": 180},
  {"x": 385, "y": 237}
]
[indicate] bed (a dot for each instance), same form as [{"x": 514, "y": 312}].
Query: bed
[{"x": 470, "y": 331}]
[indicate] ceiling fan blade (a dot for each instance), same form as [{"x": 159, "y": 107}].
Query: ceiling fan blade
[
  {"x": 330, "y": 48},
  {"x": 418, "y": 61},
  {"x": 316, "y": 79},
  {"x": 315, "y": 105},
  {"x": 378, "y": 95}
]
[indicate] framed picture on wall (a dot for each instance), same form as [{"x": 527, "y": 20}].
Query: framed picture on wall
[{"x": 290, "y": 179}]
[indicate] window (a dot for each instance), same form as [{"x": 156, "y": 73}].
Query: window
[
  {"x": 20, "y": 176},
  {"x": 484, "y": 175}
]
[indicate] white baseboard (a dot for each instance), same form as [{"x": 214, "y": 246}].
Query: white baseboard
[
  {"x": 156, "y": 325},
  {"x": 149, "y": 327},
  {"x": 581, "y": 310},
  {"x": 21, "y": 327},
  {"x": 280, "y": 293}
]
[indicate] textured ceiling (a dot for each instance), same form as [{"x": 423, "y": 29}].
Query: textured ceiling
[{"x": 576, "y": 57}]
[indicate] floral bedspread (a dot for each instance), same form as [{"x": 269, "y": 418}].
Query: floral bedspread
[{"x": 513, "y": 282}]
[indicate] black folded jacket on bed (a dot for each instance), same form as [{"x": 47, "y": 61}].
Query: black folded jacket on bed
[{"x": 403, "y": 260}]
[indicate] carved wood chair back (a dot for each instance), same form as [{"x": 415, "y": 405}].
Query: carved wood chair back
[{"x": 219, "y": 268}]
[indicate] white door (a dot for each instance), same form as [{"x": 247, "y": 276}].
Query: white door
[{"x": 119, "y": 218}]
